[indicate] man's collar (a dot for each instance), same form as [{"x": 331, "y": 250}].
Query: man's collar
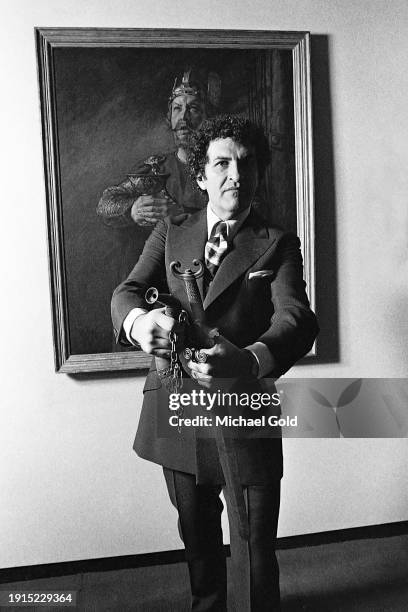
[{"x": 233, "y": 225}]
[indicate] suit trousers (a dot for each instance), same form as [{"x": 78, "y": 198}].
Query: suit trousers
[{"x": 254, "y": 568}]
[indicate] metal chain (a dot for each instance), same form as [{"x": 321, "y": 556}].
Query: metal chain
[
  {"x": 175, "y": 369},
  {"x": 175, "y": 383}
]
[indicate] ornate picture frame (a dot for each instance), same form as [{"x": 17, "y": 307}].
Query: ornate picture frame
[{"x": 103, "y": 96}]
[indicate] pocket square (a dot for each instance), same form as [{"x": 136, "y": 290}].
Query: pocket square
[{"x": 261, "y": 274}]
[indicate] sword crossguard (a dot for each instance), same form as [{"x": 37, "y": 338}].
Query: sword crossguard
[{"x": 188, "y": 274}]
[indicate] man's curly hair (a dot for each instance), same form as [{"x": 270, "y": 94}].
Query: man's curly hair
[{"x": 236, "y": 127}]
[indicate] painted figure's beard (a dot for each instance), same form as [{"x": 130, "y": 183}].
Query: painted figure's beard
[{"x": 182, "y": 136}]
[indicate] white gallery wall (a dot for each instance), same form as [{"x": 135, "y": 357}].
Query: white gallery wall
[{"x": 70, "y": 484}]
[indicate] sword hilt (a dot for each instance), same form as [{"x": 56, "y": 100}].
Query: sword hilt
[
  {"x": 188, "y": 273},
  {"x": 190, "y": 282}
]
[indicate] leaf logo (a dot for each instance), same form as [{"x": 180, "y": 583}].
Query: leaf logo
[
  {"x": 320, "y": 398},
  {"x": 350, "y": 393},
  {"x": 346, "y": 397}
]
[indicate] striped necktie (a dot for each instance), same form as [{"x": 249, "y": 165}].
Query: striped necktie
[{"x": 216, "y": 247}]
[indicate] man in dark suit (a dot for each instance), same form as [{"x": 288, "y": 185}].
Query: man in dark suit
[{"x": 254, "y": 294}]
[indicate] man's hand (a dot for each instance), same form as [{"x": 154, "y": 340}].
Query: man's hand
[
  {"x": 151, "y": 331},
  {"x": 224, "y": 360},
  {"x": 147, "y": 210}
]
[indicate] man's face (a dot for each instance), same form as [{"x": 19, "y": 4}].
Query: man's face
[
  {"x": 187, "y": 114},
  {"x": 230, "y": 177}
]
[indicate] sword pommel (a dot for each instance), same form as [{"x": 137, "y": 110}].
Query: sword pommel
[{"x": 188, "y": 274}]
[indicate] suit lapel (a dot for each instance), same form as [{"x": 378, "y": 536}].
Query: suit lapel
[
  {"x": 187, "y": 242},
  {"x": 251, "y": 241}
]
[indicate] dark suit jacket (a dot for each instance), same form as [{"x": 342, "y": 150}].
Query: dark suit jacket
[{"x": 273, "y": 310}]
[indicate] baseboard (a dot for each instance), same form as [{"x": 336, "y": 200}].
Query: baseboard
[
  {"x": 35, "y": 572},
  {"x": 386, "y": 530}
]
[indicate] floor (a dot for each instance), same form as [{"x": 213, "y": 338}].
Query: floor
[{"x": 357, "y": 576}]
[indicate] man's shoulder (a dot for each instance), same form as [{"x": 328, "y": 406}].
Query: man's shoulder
[
  {"x": 181, "y": 221},
  {"x": 274, "y": 230},
  {"x": 279, "y": 233}
]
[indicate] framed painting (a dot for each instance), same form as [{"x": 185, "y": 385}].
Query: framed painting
[{"x": 105, "y": 110}]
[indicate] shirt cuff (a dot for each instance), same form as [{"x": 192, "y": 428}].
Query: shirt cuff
[
  {"x": 129, "y": 320},
  {"x": 263, "y": 356}
]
